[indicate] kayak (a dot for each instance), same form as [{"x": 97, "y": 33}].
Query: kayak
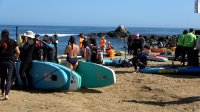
[{"x": 171, "y": 70}]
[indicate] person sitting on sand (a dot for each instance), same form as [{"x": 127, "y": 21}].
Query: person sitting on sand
[
  {"x": 110, "y": 51},
  {"x": 72, "y": 50},
  {"x": 8, "y": 49},
  {"x": 179, "y": 47}
]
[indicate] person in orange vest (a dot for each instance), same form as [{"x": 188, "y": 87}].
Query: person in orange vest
[
  {"x": 81, "y": 40},
  {"x": 110, "y": 51},
  {"x": 103, "y": 43}
]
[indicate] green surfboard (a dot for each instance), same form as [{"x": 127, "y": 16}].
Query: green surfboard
[{"x": 95, "y": 75}]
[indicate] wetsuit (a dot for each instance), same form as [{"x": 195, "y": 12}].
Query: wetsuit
[
  {"x": 26, "y": 58},
  {"x": 7, "y": 69}
]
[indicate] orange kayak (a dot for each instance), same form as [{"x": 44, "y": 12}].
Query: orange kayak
[{"x": 158, "y": 50}]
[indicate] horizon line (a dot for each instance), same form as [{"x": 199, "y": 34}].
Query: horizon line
[{"x": 94, "y": 26}]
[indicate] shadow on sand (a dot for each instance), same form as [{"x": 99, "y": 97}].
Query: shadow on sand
[
  {"x": 87, "y": 90},
  {"x": 177, "y": 102},
  {"x": 122, "y": 72}
]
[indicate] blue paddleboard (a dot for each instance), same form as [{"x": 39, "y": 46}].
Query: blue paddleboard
[
  {"x": 74, "y": 79},
  {"x": 171, "y": 70},
  {"x": 46, "y": 76}
]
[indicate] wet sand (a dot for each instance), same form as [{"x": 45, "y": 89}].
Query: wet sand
[{"x": 133, "y": 92}]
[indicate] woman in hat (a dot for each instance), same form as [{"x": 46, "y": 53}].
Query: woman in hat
[
  {"x": 26, "y": 49},
  {"x": 8, "y": 49}
]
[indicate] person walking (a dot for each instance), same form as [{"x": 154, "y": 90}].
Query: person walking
[{"x": 8, "y": 50}]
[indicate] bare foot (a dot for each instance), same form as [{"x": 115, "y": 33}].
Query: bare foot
[
  {"x": 3, "y": 94},
  {"x": 6, "y": 97}
]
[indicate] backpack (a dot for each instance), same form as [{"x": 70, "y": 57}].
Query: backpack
[
  {"x": 93, "y": 53},
  {"x": 96, "y": 55},
  {"x": 99, "y": 56}
]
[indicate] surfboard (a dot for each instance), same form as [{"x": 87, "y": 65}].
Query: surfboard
[
  {"x": 171, "y": 70},
  {"x": 46, "y": 76},
  {"x": 95, "y": 75},
  {"x": 157, "y": 58},
  {"x": 74, "y": 79}
]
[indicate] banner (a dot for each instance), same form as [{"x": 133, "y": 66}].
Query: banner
[{"x": 197, "y": 6}]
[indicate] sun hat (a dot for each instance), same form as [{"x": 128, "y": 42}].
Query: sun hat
[{"x": 29, "y": 34}]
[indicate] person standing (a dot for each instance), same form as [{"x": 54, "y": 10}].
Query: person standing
[
  {"x": 103, "y": 43},
  {"x": 72, "y": 51},
  {"x": 38, "y": 51},
  {"x": 81, "y": 39},
  {"x": 129, "y": 43},
  {"x": 179, "y": 48},
  {"x": 26, "y": 48},
  {"x": 55, "y": 42},
  {"x": 46, "y": 38},
  {"x": 50, "y": 50},
  {"x": 189, "y": 44},
  {"x": 137, "y": 50},
  {"x": 8, "y": 49}
]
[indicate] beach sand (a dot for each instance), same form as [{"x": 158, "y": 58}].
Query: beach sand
[{"x": 133, "y": 92}]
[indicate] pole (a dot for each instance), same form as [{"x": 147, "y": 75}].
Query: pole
[
  {"x": 125, "y": 46},
  {"x": 17, "y": 37}
]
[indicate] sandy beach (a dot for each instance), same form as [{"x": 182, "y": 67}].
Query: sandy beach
[{"x": 133, "y": 92}]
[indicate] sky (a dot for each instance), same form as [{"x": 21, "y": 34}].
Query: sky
[{"x": 131, "y": 13}]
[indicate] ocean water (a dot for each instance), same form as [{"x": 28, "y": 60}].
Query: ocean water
[{"x": 117, "y": 43}]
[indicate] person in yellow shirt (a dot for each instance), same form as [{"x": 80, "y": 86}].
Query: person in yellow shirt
[
  {"x": 81, "y": 40},
  {"x": 103, "y": 43}
]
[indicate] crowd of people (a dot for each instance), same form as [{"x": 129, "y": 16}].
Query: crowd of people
[
  {"x": 188, "y": 44},
  {"x": 31, "y": 47}
]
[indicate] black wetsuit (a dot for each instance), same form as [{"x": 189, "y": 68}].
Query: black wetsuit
[
  {"x": 26, "y": 58},
  {"x": 7, "y": 69}
]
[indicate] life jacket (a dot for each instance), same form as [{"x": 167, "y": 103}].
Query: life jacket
[
  {"x": 103, "y": 42},
  {"x": 111, "y": 53},
  {"x": 81, "y": 42},
  {"x": 96, "y": 55}
]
